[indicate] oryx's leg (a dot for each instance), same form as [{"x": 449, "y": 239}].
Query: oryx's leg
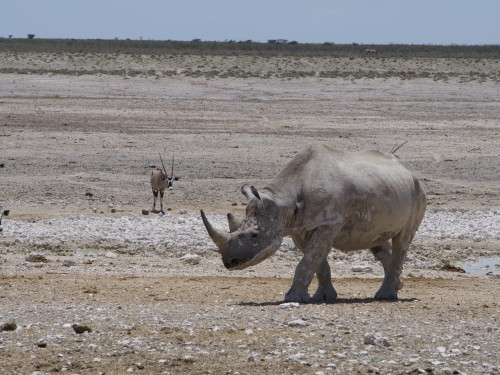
[
  {"x": 155, "y": 196},
  {"x": 325, "y": 292},
  {"x": 162, "y": 192},
  {"x": 393, "y": 266},
  {"x": 317, "y": 244}
]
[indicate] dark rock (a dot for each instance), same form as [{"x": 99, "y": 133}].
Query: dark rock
[
  {"x": 9, "y": 326},
  {"x": 78, "y": 328},
  {"x": 35, "y": 258}
]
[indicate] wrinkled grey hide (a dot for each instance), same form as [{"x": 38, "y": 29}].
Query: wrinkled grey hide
[{"x": 326, "y": 198}]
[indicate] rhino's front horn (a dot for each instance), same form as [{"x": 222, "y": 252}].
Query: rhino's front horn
[{"x": 219, "y": 237}]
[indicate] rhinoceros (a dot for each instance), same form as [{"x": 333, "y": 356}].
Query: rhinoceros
[{"x": 326, "y": 198}]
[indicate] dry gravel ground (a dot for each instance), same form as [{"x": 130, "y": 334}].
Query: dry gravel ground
[{"x": 77, "y": 144}]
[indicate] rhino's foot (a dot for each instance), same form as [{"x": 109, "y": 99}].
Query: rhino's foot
[
  {"x": 324, "y": 295},
  {"x": 386, "y": 295},
  {"x": 297, "y": 297}
]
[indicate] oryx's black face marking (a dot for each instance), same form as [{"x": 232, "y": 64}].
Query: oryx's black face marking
[{"x": 170, "y": 181}]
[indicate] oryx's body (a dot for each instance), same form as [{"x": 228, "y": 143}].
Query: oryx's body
[
  {"x": 160, "y": 181},
  {"x": 326, "y": 198}
]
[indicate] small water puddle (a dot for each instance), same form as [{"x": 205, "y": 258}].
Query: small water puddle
[{"x": 482, "y": 266}]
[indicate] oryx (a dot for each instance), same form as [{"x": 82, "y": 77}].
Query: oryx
[{"x": 160, "y": 181}]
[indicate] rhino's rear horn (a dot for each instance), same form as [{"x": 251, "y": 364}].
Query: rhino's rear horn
[
  {"x": 219, "y": 237},
  {"x": 234, "y": 222}
]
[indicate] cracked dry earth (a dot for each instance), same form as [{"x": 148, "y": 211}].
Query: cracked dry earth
[{"x": 78, "y": 145}]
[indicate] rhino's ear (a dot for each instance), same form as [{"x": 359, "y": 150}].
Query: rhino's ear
[
  {"x": 255, "y": 192},
  {"x": 248, "y": 191},
  {"x": 268, "y": 204}
]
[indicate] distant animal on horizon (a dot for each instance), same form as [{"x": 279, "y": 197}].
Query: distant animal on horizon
[
  {"x": 328, "y": 198},
  {"x": 371, "y": 51},
  {"x": 31, "y": 36},
  {"x": 2, "y": 214},
  {"x": 161, "y": 181}
]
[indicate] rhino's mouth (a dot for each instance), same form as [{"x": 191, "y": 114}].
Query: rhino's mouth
[{"x": 234, "y": 264}]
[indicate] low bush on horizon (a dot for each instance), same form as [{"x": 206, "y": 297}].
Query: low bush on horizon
[{"x": 198, "y": 47}]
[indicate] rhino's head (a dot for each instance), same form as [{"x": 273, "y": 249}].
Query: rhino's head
[{"x": 252, "y": 239}]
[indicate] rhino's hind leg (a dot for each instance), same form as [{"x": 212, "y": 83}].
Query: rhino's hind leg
[
  {"x": 383, "y": 254},
  {"x": 392, "y": 258},
  {"x": 315, "y": 245}
]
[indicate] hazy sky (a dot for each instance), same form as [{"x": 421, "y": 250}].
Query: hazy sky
[{"x": 317, "y": 21}]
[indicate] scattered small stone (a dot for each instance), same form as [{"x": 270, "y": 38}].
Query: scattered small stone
[
  {"x": 78, "y": 328},
  {"x": 35, "y": 258},
  {"x": 9, "y": 326},
  {"x": 145, "y": 212},
  {"x": 111, "y": 255},
  {"x": 183, "y": 211},
  {"x": 297, "y": 357},
  {"x": 376, "y": 340},
  {"x": 192, "y": 259},
  {"x": 42, "y": 344},
  {"x": 298, "y": 323},
  {"x": 91, "y": 290},
  {"x": 89, "y": 194},
  {"x": 493, "y": 275},
  {"x": 288, "y": 305},
  {"x": 69, "y": 263}
]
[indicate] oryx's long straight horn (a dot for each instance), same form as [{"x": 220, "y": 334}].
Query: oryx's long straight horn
[
  {"x": 164, "y": 169},
  {"x": 219, "y": 237},
  {"x": 172, "y": 173}
]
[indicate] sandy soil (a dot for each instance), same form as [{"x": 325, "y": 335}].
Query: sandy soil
[{"x": 78, "y": 144}]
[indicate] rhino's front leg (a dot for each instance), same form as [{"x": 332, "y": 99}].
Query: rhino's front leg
[
  {"x": 325, "y": 292},
  {"x": 317, "y": 244}
]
